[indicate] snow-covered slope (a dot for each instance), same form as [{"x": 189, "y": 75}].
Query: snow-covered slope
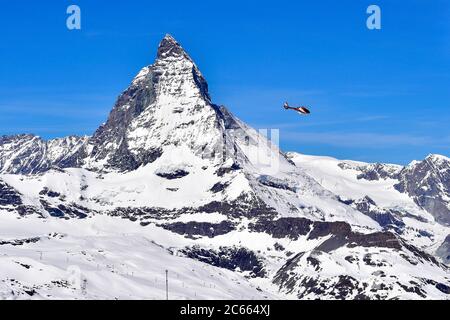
[
  {"x": 174, "y": 181},
  {"x": 91, "y": 259}
]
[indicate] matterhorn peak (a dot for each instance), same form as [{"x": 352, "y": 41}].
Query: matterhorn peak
[
  {"x": 178, "y": 70},
  {"x": 169, "y": 47}
]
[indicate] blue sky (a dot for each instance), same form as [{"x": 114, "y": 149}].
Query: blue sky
[{"x": 375, "y": 95}]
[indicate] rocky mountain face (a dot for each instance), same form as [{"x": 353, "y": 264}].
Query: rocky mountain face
[
  {"x": 167, "y": 104},
  {"x": 444, "y": 250},
  {"x": 28, "y": 154},
  {"x": 203, "y": 187},
  {"x": 428, "y": 183}
]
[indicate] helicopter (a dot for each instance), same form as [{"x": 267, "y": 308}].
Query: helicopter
[{"x": 301, "y": 110}]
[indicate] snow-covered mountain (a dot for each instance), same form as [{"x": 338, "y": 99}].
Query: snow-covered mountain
[
  {"x": 28, "y": 154},
  {"x": 173, "y": 181}
]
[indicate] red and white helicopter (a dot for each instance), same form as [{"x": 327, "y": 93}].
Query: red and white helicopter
[{"x": 301, "y": 110}]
